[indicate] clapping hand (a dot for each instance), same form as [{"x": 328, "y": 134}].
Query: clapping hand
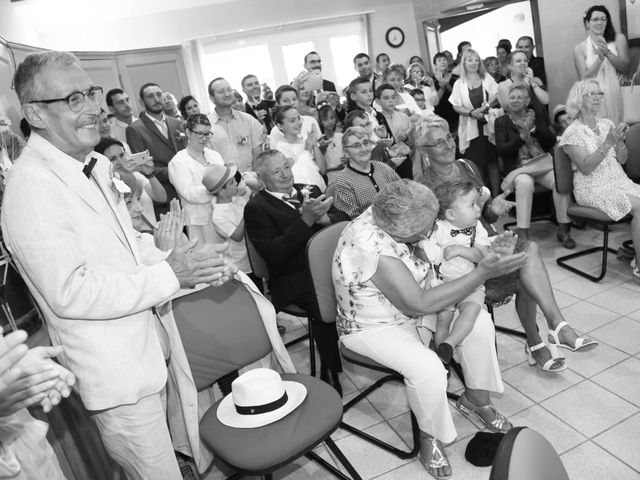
[
  {"x": 504, "y": 244},
  {"x": 314, "y": 210},
  {"x": 500, "y": 205},
  {"x": 168, "y": 234}
]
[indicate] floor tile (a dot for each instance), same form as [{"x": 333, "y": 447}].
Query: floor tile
[
  {"x": 584, "y": 316},
  {"x": 622, "y": 334},
  {"x": 510, "y": 402},
  {"x": 410, "y": 471},
  {"x": 619, "y": 299},
  {"x": 602, "y": 410},
  {"x": 583, "y": 288},
  {"x": 559, "y": 434},
  {"x": 368, "y": 460},
  {"x": 590, "y": 462},
  {"x": 593, "y": 361},
  {"x": 622, "y": 379},
  {"x": 623, "y": 441},
  {"x": 390, "y": 399},
  {"x": 510, "y": 351},
  {"x": 536, "y": 384},
  {"x": 362, "y": 414},
  {"x": 463, "y": 470}
]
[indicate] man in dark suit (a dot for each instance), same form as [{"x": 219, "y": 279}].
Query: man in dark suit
[
  {"x": 162, "y": 135},
  {"x": 313, "y": 62},
  {"x": 280, "y": 220},
  {"x": 258, "y": 108}
]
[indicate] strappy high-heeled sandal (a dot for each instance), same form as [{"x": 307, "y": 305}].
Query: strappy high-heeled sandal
[
  {"x": 433, "y": 457},
  {"x": 499, "y": 424},
  {"x": 582, "y": 343},
  {"x": 548, "y": 365}
]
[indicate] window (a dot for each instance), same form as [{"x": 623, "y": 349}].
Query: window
[
  {"x": 293, "y": 57},
  {"x": 343, "y": 49}
]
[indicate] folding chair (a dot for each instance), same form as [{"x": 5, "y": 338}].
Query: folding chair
[
  {"x": 564, "y": 184},
  {"x": 524, "y": 454},
  {"x": 259, "y": 268},
  {"x": 222, "y": 331},
  {"x": 320, "y": 250}
]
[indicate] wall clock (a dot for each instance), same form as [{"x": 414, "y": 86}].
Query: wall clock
[{"x": 394, "y": 37}]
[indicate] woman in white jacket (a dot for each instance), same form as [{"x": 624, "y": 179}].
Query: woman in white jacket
[
  {"x": 472, "y": 94},
  {"x": 185, "y": 173}
]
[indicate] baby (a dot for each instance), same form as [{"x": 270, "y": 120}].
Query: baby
[{"x": 462, "y": 242}]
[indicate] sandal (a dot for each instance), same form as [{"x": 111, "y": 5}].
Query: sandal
[
  {"x": 433, "y": 457},
  {"x": 548, "y": 365},
  {"x": 566, "y": 241},
  {"x": 635, "y": 271},
  {"x": 582, "y": 343},
  {"x": 499, "y": 424}
]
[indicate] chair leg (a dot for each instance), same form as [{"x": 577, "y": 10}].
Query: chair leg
[
  {"x": 312, "y": 349},
  {"x": 604, "y": 249},
  {"x": 341, "y": 458},
  {"x": 498, "y": 328}
]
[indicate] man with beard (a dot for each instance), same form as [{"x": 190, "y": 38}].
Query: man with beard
[
  {"x": 313, "y": 63},
  {"x": 162, "y": 135}
]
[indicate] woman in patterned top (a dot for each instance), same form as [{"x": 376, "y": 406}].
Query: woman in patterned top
[{"x": 382, "y": 284}]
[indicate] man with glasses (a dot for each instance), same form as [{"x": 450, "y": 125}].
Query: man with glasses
[
  {"x": 313, "y": 63},
  {"x": 120, "y": 105},
  {"x": 245, "y": 132},
  {"x": 161, "y": 135},
  {"x": 66, "y": 226}
]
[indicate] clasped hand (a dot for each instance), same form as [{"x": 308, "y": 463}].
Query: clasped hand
[
  {"x": 314, "y": 210},
  {"x": 194, "y": 264}
]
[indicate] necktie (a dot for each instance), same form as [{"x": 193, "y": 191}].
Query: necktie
[
  {"x": 89, "y": 166},
  {"x": 293, "y": 200},
  {"x": 463, "y": 231}
]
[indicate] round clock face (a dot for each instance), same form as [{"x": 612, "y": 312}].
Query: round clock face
[{"x": 395, "y": 37}]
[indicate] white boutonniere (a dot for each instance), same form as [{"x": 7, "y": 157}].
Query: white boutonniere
[
  {"x": 180, "y": 136},
  {"x": 118, "y": 186}
]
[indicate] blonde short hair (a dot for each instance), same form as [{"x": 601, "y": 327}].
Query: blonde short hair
[{"x": 574, "y": 99}]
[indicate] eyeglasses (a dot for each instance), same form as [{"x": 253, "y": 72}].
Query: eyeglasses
[
  {"x": 441, "y": 142},
  {"x": 202, "y": 134},
  {"x": 594, "y": 94},
  {"x": 358, "y": 146},
  {"x": 599, "y": 20},
  {"x": 77, "y": 100}
]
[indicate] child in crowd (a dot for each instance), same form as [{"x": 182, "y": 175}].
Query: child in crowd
[
  {"x": 228, "y": 210},
  {"x": 286, "y": 95},
  {"x": 418, "y": 96},
  {"x": 461, "y": 241},
  {"x": 400, "y": 125},
  {"x": 308, "y": 161},
  {"x": 560, "y": 119},
  {"x": 330, "y": 143}
]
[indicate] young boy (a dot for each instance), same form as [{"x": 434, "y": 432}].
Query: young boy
[
  {"x": 464, "y": 242},
  {"x": 228, "y": 211},
  {"x": 418, "y": 96}
]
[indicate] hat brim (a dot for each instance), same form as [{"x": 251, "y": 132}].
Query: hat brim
[{"x": 227, "y": 414}]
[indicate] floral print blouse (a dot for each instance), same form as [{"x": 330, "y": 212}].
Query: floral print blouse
[{"x": 361, "y": 304}]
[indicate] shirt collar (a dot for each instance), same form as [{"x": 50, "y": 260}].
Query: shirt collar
[
  {"x": 280, "y": 196},
  {"x": 215, "y": 117},
  {"x": 155, "y": 120}
]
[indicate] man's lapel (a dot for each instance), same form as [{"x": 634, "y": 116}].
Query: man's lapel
[{"x": 154, "y": 129}]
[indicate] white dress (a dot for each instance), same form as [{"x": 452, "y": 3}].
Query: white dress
[
  {"x": 607, "y": 186},
  {"x": 607, "y": 77},
  {"x": 305, "y": 170}
]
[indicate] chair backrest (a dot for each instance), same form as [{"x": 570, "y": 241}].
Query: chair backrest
[
  {"x": 524, "y": 454},
  {"x": 258, "y": 265},
  {"x": 320, "y": 250},
  {"x": 562, "y": 170},
  {"x": 221, "y": 330},
  {"x": 632, "y": 141}
]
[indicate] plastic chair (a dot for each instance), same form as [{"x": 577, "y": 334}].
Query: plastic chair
[
  {"x": 222, "y": 331},
  {"x": 320, "y": 250},
  {"x": 524, "y": 454},
  {"x": 564, "y": 184},
  {"x": 259, "y": 268}
]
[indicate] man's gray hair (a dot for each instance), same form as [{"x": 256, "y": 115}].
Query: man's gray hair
[
  {"x": 358, "y": 132},
  {"x": 404, "y": 208},
  {"x": 261, "y": 159},
  {"x": 26, "y": 84}
]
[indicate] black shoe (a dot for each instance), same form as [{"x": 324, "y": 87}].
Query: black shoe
[
  {"x": 332, "y": 378},
  {"x": 445, "y": 353},
  {"x": 282, "y": 329}
]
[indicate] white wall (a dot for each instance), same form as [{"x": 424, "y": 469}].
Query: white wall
[{"x": 91, "y": 33}]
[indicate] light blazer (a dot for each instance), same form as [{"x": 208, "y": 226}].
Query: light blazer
[
  {"x": 144, "y": 135},
  {"x": 80, "y": 259}
]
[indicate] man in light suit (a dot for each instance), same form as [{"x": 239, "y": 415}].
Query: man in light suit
[
  {"x": 65, "y": 224},
  {"x": 280, "y": 220},
  {"x": 161, "y": 134}
]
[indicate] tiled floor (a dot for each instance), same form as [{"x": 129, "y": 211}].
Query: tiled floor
[{"x": 590, "y": 412}]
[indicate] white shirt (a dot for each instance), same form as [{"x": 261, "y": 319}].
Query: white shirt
[
  {"x": 161, "y": 124},
  {"x": 119, "y": 128}
]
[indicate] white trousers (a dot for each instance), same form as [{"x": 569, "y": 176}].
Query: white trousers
[
  {"x": 524, "y": 185},
  {"x": 400, "y": 348},
  {"x": 137, "y": 438}
]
